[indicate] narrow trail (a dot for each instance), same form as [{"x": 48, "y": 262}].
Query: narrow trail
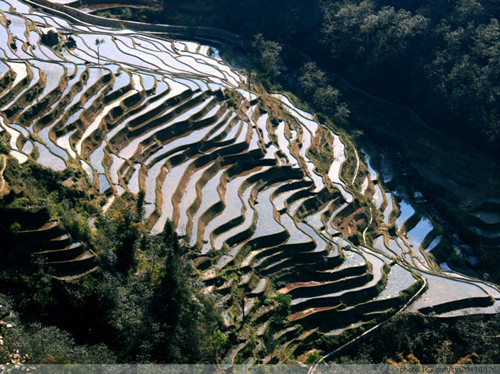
[
  {"x": 366, "y": 228},
  {"x": 2, "y": 186},
  {"x": 97, "y": 7},
  {"x": 324, "y": 359},
  {"x": 357, "y": 166}
]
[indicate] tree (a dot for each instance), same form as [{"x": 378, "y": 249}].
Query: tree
[
  {"x": 240, "y": 300},
  {"x": 179, "y": 314},
  {"x": 23, "y": 343},
  {"x": 119, "y": 237},
  {"x": 139, "y": 208},
  {"x": 312, "y": 77},
  {"x": 98, "y": 43},
  {"x": 219, "y": 341},
  {"x": 15, "y": 228},
  {"x": 361, "y": 33},
  {"x": 314, "y": 82},
  {"x": 70, "y": 42},
  {"x": 342, "y": 113},
  {"x": 283, "y": 307},
  {"x": 313, "y": 358},
  {"x": 51, "y": 38},
  {"x": 4, "y": 147},
  {"x": 326, "y": 97},
  {"x": 270, "y": 55}
]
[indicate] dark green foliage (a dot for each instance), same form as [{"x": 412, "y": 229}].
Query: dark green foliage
[
  {"x": 430, "y": 340},
  {"x": 316, "y": 86},
  {"x": 441, "y": 58},
  {"x": 151, "y": 311},
  {"x": 4, "y": 148},
  {"x": 50, "y": 38},
  {"x": 32, "y": 287},
  {"x": 282, "y": 310},
  {"x": 406, "y": 52},
  {"x": 139, "y": 207},
  {"x": 143, "y": 303},
  {"x": 233, "y": 98},
  {"x": 313, "y": 358},
  {"x": 34, "y": 343},
  {"x": 15, "y": 228},
  {"x": 270, "y": 55},
  {"x": 354, "y": 239},
  {"x": 148, "y": 311},
  {"x": 65, "y": 195},
  {"x": 70, "y": 43},
  {"x": 220, "y": 343},
  {"x": 365, "y": 34}
]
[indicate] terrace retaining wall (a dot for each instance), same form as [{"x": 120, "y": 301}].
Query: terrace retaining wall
[
  {"x": 202, "y": 33},
  {"x": 470, "y": 302},
  {"x": 78, "y": 3},
  {"x": 331, "y": 287}
]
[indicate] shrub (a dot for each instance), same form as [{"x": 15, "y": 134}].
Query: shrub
[
  {"x": 4, "y": 147},
  {"x": 15, "y": 228},
  {"x": 313, "y": 358}
]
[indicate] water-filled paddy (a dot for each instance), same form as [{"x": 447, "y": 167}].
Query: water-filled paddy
[
  {"x": 399, "y": 279},
  {"x": 442, "y": 290},
  {"x": 406, "y": 212}
]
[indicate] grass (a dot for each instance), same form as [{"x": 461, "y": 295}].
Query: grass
[{"x": 67, "y": 195}]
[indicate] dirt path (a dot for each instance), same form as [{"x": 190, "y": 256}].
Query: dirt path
[
  {"x": 357, "y": 166},
  {"x": 4, "y": 160},
  {"x": 366, "y": 228},
  {"x": 97, "y": 7},
  {"x": 312, "y": 369}
]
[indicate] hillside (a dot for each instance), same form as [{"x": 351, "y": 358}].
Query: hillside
[
  {"x": 438, "y": 57},
  {"x": 305, "y": 239}
]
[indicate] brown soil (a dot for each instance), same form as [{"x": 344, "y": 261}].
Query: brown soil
[
  {"x": 3, "y": 185},
  {"x": 292, "y": 286},
  {"x": 97, "y": 7},
  {"x": 308, "y": 312},
  {"x": 348, "y": 223}
]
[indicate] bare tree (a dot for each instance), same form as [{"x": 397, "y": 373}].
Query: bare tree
[{"x": 98, "y": 43}]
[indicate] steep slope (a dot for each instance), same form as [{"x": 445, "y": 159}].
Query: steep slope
[{"x": 254, "y": 185}]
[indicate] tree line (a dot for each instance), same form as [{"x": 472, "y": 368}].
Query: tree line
[
  {"x": 144, "y": 304},
  {"x": 441, "y": 58}
]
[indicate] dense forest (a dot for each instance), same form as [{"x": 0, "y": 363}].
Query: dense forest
[
  {"x": 114, "y": 314},
  {"x": 441, "y": 58},
  {"x": 414, "y": 339}
]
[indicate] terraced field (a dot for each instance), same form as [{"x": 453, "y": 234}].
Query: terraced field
[{"x": 236, "y": 170}]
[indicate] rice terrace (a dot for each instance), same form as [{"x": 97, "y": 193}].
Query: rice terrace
[{"x": 303, "y": 240}]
